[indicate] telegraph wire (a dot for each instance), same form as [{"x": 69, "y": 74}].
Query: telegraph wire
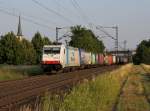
[{"x": 51, "y": 10}]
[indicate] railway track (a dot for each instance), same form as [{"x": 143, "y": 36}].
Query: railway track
[{"x": 19, "y": 91}]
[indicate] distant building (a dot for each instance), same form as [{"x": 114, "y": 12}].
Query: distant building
[{"x": 19, "y": 32}]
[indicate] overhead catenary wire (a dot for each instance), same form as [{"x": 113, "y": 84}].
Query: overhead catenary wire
[
  {"x": 64, "y": 8},
  {"x": 51, "y": 10},
  {"x": 81, "y": 10},
  {"x": 78, "y": 10},
  {"x": 29, "y": 16},
  {"x": 67, "y": 10},
  {"x": 40, "y": 19},
  {"x": 105, "y": 32},
  {"x": 82, "y": 13},
  {"x": 26, "y": 19}
]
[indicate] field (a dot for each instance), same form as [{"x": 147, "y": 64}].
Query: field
[
  {"x": 125, "y": 89},
  {"x": 10, "y": 72}
]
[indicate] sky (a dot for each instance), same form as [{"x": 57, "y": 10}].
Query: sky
[{"x": 131, "y": 16}]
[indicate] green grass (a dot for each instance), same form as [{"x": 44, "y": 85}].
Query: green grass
[
  {"x": 10, "y": 75},
  {"x": 10, "y": 72},
  {"x": 51, "y": 102},
  {"x": 97, "y": 95}
]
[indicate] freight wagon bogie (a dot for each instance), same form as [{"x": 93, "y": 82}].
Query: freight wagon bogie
[{"x": 50, "y": 67}]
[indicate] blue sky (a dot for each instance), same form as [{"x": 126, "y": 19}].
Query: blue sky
[{"x": 132, "y": 17}]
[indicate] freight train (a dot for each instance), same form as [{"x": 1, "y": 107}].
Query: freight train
[{"x": 66, "y": 58}]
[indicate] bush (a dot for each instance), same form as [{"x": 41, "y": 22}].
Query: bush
[{"x": 142, "y": 53}]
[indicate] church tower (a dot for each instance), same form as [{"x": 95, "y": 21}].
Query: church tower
[{"x": 19, "y": 33}]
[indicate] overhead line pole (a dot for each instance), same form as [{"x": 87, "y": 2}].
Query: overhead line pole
[
  {"x": 57, "y": 29},
  {"x": 125, "y": 44},
  {"x": 117, "y": 41},
  {"x": 115, "y": 38},
  {"x": 57, "y": 34}
]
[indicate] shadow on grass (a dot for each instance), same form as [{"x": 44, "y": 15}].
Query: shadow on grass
[
  {"x": 26, "y": 70},
  {"x": 146, "y": 77},
  {"x": 30, "y": 70},
  {"x": 146, "y": 83}
]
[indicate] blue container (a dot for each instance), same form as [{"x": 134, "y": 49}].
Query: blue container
[{"x": 82, "y": 56}]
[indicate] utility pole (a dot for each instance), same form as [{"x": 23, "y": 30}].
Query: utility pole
[
  {"x": 57, "y": 28},
  {"x": 125, "y": 44},
  {"x": 114, "y": 38},
  {"x": 117, "y": 41}
]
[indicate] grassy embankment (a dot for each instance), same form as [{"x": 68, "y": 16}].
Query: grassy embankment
[
  {"x": 125, "y": 89},
  {"x": 134, "y": 95},
  {"x": 10, "y": 72},
  {"x": 146, "y": 81},
  {"x": 99, "y": 94}
]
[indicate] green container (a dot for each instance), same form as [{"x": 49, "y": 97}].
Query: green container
[{"x": 93, "y": 58}]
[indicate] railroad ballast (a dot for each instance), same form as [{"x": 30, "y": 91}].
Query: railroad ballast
[{"x": 61, "y": 57}]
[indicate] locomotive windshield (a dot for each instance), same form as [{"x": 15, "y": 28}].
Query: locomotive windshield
[{"x": 52, "y": 50}]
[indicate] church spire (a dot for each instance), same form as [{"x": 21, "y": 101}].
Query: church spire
[{"x": 19, "y": 33}]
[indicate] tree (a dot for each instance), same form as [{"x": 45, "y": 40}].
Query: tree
[
  {"x": 142, "y": 53},
  {"x": 85, "y": 39},
  {"x": 11, "y": 49},
  {"x": 29, "y": 52},
  {"x": 1, "y": 51},
  {"x": 46, "y": 41},
  {"x": 7, "y": 43},
  {"x": 15, "y": 51},
  {"x": 37, "y": 42}
]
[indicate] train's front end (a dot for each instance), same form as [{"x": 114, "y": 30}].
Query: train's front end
[{"x": 51, "y": 58}]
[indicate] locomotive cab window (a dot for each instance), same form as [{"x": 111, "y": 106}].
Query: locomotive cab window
[{"x": 52, "y": 50}]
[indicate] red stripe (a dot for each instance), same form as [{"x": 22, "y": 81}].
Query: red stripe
[{"x": 50, "y": 62}]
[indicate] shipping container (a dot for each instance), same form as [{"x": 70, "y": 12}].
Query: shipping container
[
  {"x": 96, "y": 59},
  {"x": 101, "y": 59},
  {"x": 117, "y": 59},
  {"x": 110, "y": 60},
  {"x": 77, "y": 57},
  {"x": 114, "y": 59},
  {"x": 106, "y": 60},
  {"x": 93, "y": 58},
  {"x": 126, "y": 60},
  {"x": 82, "y": 56},
  {"x": 72, "y": 57},
  {"x": 87, "y": 58}
]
